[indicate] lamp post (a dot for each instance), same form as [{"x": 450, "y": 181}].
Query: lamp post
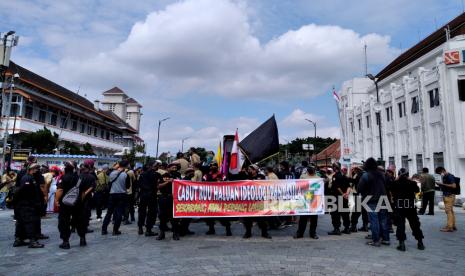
[
  {"x": 182, "y": 143},
  {"x": 314, "y": 140},
  {"x": 378, "y": 116},
  {"x": 158, "y": 136}
]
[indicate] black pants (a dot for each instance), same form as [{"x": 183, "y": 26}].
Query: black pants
[
  {"x": 129, "y": 211},
  {"x": 27, "y": 222},
  {"x": 413, "y": 220},
  {"x": 72, "y": 216},
  {"x": 184, "y": 225},
  {"x": 303, "y": 224},
  {"x": 165, "y": 205},
  {"x": 116, "y": 206},
  {"x": 357, "y": 213},
  {"x": 262, "y": 224},
  {"x": 99, "y": 203},
  {"x": 337, "y": 215},
  {"x": 147, "y": 211},
  {"x": 428, "y": 198},
  {"x": 224, "y": 221}
]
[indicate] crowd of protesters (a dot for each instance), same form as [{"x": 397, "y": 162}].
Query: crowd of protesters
[{"x": 122, "y": 189}]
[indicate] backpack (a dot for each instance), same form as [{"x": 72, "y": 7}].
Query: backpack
[
  {"x": 456, "y": 190},
  {"x": 71, "y": 197}
]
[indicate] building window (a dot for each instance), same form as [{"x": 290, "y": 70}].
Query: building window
[
  {"x": 128, "y": 116},
  {"x": 438, "y": 159},
  {"x": 433, "y": 97},
  {"x": 392, "y": 161},
  {"x": 29, "y": 112},
  {"x": 102, "y": 133},
  {"x": 368, "y": 121},
  {"x": 53, "y": 119},
  {"x": 95, "y": 131},
  {"x": 419, "y": 159},
  {"x": 389, "y": 113},
  {"x": 404, "y": 161},
  {"x": 359, "y": 124},
  {"x": 415, "y": 105},
  {"x": 74, "y": 125},
  {"x": 64, "y": 122},
  {"x": 83, "y": 128},
  {"x": 402, "y": 110},
  {"x": 112, "y": 107},
  {"x": 108, "y": 135},
  {"x": 42, "y": 116},
  {"x": 352, "y": 126},
  {"x": 14, "y": 110}
]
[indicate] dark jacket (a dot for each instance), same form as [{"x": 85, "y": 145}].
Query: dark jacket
[
  {"x": 403, "y": 193},
  {"x": 372, "y": 184}
]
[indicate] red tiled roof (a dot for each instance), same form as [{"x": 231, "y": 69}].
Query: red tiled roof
[
  {"x": 456, "y": 26},
  {"x": 114, "y": 90},
  {"x": 132, "y": 101},
  {"x": 333, "y": 151}
]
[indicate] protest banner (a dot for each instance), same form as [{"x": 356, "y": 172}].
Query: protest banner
[{"x": 248, "y": 198}]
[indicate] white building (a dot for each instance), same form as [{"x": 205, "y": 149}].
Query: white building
[
  {"x": 38, "y": 102},
  {"x": 422, "y": 106}
]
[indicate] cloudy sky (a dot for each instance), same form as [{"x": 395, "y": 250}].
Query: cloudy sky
[{"x": 213, "y": 65}]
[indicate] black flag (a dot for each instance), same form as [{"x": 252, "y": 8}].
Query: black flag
[{"x": 262, "y": 142}]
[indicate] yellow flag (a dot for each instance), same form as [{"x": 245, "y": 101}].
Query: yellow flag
[{"x": 219, "y": 156}]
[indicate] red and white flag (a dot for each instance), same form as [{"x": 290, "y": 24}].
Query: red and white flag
[
  {"x": 237, "y": 159},
  {"x": 335, "y": 95}
]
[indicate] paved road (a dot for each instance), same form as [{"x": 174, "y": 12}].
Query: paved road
[{"x": 130, "y": 254}]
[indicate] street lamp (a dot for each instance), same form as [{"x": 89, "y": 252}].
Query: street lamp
[
  {"x": 158, "y": 136},
  {"x": 378, "y": 115},
  {"x": 182, "y": 143},
  {"x": 314, "y": 140}
]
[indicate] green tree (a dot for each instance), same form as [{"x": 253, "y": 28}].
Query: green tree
[
  {"x": 87, "y": 149},
  {"x": 71, "y": 148},
  {"x": 41, "y": 141}
]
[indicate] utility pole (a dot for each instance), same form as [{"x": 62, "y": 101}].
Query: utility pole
[
  {"x": 158, "y": 136},
  {"x": 314, "y": 140},
  {"x": 182, "y": 143}
]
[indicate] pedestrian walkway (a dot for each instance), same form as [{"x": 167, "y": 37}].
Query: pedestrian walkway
[{"x": 131, "y": 254}]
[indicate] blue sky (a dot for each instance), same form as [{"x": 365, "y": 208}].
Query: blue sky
[{"x": 213, "y": 65}]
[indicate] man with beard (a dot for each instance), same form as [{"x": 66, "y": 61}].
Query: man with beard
[
  {"x": 28, "y": 209},
  {"x": 248, "y": 222},
  {"x": 148, "y": 185},
  {"x": 403, "y": 191}
]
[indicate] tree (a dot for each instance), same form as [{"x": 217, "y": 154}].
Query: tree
[
  {"x": 71, "y": 148},
  {"x": 41, "y": 141},
  {"x": 87, "y": 149}
]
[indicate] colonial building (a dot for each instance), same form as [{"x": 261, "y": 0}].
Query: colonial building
[
  {"x": 421, "y": 106},
  {"x": 38, "y": 102}
]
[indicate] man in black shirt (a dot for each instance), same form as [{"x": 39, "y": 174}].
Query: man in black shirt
[
  {"x": 166, "y": 202},
  {"x": 148, "y": 187},
  {"x": 340, "y": 188},
  {"x": 28, "y": 204},
  {"x": 403, "y": 192}
]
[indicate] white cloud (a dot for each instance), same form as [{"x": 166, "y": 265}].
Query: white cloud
[{"x": 298, "y": 116}]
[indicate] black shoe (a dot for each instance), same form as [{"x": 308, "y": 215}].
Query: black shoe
[
  {"x": 150, "y": 233},
  {"x": 247, "y": 235},
  {"x": 228, "y": 232},
  {"x": 19, "y": 242},
  {"x": 353, "y": 229},
  {"x": 430, "y": 214},
  {"x": 116, "y": 233},
  {"x": 175, "y": 237},
  {"x": 211, "y": 231},
  {"x": 335, "y": 232},
  {"x": 89, "y": 231},
  {"x": 385, "y": 242},
  {"x": 266, "y": 235},
  {"x": 141, "y": 231},
  {"x": 346, "y": 231},
  {"x": 65, "y": 245},
  {"x": 314, "y": 236},
  {"x": 42, "y": 237},
  {"x": 127, "y": 222},
  {"x": 401, "y": 246},
  {"x": 35, "y": 244},
  {"x": 420, "y": 245},
  {"x": 104, "y": 232},
  {"x": 298, "y": 236},
  {"x": 83, "y": 242},
  {"x": 161, "y": 236}
]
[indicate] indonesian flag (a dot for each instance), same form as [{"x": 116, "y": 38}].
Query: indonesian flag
[
  {"x": 237, "y": 158},
  {"x": 335, "y": 95}
]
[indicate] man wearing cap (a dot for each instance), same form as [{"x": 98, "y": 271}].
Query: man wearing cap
[
  {"x": 28, "y": 204},
  {"x": 248, "y": 222},
  {"x": 403, "y": 191},
  {"x": 340, "y": 189},
  {"x": 119, "y": 182}
]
